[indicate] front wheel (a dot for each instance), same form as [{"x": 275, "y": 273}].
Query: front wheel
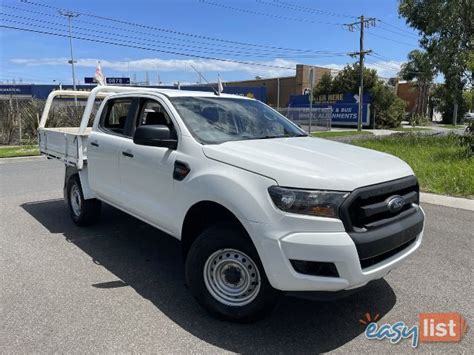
[
  {"x": 225, "y": 275},
  {"x": 83, "y": 212}
]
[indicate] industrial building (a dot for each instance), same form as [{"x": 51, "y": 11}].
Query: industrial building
[{"x": 279, "y": 89}]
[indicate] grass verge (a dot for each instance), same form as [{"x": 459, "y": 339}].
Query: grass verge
[
  {"x": 451, "y": 126},
  {"x": 328, "y": 134},
  {"x": 441, "y": 164},
  {"x": 410, "y": 129},
  {"x": 18, "y": 151}
]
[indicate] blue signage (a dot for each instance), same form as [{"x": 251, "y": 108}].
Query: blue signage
[
  {"x": 109, "y": 81},
  {"x": 15, "y": 90},
  {"x": 345, "y": 107}
]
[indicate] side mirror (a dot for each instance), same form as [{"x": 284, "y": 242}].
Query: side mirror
[{"x": 156, "y": 136}]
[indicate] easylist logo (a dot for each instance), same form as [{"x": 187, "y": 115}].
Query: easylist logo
[
  {"x": 433, "y": 327},
  {"x": 442, "y": 327}
]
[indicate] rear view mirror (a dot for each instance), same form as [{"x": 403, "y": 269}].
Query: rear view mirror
[{"x": 155, "y": 135}]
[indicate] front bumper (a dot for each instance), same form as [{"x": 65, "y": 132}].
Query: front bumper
[{"x": 333, "y": 247}]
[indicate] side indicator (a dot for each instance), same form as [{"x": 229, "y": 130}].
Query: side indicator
[{"x": 181, "y": 170}]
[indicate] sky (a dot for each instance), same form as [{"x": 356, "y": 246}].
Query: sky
[{"x": 163, "y": 40}]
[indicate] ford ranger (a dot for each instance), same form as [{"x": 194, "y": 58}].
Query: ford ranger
[{"x": 260, "y": 207}]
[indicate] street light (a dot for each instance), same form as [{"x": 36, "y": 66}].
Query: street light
[{"x": 70, "y": 15}]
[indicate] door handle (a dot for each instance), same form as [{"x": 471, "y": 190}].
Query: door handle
[
  {"x": 127, "y": 154},
  {"x": 95, "y": 144}
]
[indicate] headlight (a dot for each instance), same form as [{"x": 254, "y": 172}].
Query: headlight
[{"x": 309, "y": 202}]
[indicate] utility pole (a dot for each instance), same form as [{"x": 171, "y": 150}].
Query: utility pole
[
  {"x": 278, "y": 93},
  {"x": 70, "y": 15},
  {"x": 363, "y": 22}
]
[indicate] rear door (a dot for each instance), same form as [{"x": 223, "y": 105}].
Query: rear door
[
  {"x": 104, "y": 147},
  {"x": 147, "y": 172}
]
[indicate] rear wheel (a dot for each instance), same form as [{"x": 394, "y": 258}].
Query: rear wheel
[
  {"x": 83, "y": 212},
  {"x": 225, "y": 275}
]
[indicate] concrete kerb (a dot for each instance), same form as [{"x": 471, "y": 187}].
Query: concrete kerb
[{"x": 447, "y": 201}]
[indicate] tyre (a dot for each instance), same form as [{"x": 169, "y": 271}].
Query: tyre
[
  {"x": 226, "y": 276},
  {"x": 83, "y": 212}
]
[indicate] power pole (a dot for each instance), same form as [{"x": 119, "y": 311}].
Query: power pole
[
  {"x": 70, "y": 15},
  {"x": 363, "y": 22}
]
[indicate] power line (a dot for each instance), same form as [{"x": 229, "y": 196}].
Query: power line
[
  {"x": 148, "y": 27},
  {"x": 391, "y": 39},
  {"x": 280, "y": 4},
  {"x": 396, "y": 27},
  {"x": 390, "y": 66},
  {"x": 294, "y": 7},
  {"x": 238, "y": 9},
  {"x": 264, "y": 48},
  {"x": 397, "y": 33},
  {"x": 198, "y": 49},
  {"x": 147, "y": 48}
]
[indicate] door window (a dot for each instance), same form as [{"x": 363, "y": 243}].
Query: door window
[
  {"x": 153, "y": 113},
  {"x": 116, "y": 116}
]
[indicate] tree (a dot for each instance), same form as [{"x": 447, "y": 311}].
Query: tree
[
  {"x": 420, "y": 68},
  {"x": 446, "y": 27},
  {"x": 387, "y": 109},
  {"x": 442, "y": 100},
  {"x": 324, "y": 86},
  {"x": 347, "y": 80}
]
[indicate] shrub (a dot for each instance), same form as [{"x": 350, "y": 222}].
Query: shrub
[
  {"x": 391, "y": 116},
  {"x": 418, "y": 120},
  {"x": 467, "y": 140}
]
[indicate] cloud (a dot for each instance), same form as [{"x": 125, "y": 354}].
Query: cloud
[
  {"x": 171, "y": 65},
  {"x": 384, "y": 68}
]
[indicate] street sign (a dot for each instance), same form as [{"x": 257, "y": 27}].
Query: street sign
[{"x": 110, "y": 81}]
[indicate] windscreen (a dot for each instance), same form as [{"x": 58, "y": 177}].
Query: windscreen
[{"x": 214, "y": 120}]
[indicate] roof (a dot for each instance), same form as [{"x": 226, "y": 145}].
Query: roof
[{"x": 182, "y": 93}]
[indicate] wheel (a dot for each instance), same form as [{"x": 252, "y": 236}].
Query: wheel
[
  {"x": 226, "y": 276},
  {"x": 83, "y": 212}
]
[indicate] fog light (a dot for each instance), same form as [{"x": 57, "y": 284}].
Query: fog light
[{"x": 315, "y": 268}]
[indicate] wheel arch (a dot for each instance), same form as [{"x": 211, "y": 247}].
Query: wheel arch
[
  {"x": 203, "y": 215},
  {"x": 83, "y": 178}
]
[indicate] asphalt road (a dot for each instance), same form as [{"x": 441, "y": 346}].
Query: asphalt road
[{"x": 119, "y": 286}]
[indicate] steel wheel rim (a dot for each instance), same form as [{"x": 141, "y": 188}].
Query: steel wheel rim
[
  {"x": 75, "y": 199},
  {"x": 232, "y": 277}
]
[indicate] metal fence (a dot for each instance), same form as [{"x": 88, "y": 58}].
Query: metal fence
[{"x": 311, "y": 120}]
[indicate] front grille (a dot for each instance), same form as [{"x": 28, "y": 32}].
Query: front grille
[
  {"x": 366, "y": 208},
  {"x": 377, "y": 231},
  {"x": 365, "y": 263}
]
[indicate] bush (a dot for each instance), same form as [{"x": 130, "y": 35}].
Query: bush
[
  {"x": 418, "y": 120},
  {"x": 388, "y": 109},
  {"x": 467, "y": 140},
  {"x": 392, "y": 116}
]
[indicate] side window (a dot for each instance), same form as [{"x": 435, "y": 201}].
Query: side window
[
  {"x": 116, "y": 116},
  {"x": 153, "y": 113}
]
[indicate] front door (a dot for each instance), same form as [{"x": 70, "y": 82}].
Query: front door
[{"x": 147, "y": 172}]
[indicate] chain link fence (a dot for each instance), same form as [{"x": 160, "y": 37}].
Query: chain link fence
[{"x": 311, "y": 120}]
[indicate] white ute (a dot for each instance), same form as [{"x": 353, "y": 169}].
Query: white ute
[{"x": 259, "y": 206}]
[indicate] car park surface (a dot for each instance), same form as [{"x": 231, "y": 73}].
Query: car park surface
[{"x": 119, "y": 286}]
